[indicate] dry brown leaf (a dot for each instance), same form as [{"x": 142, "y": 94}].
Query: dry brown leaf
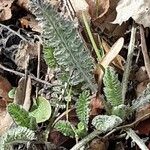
[
  {"x": 96, "y": 106},
  {"x": 29, "y": 21},
  {"x": 5, "y": 9},
  {"x": 98, "y": 144},
  {"x": 109, "y": 57},
  {"x": 118, "y": 61},
  {"x": 5, "y": 87},
  {"x": 139, "y": 10},
  {"x": 106, "y": 14},
  {"x": 141, "y": 87},
  {"x": 23, "y": 3},
  {"x": 141, "y": 74},
  {"x": 144, "y": 126}
]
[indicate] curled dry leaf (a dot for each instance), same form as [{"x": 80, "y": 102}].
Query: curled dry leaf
[
  {"x": 139, "y": 10},
  {"x": 102, "y": 14},
  {"x": 5, "y": 9},
  {"x": 30, "y": 22},
  {"x": 109, "y": 57}
]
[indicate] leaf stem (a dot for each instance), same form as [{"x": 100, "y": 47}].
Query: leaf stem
[{"x": 91, "y": 37}]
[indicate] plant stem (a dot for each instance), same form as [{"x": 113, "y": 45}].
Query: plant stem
[
  {"x": 128, "y": 62},
  {"x": 144, "y": 51},
  {"x": 136, "y": 139},
  {"x": 91, "y": 37}
]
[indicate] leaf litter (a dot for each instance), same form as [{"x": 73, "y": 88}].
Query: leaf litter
[{"x": 23, "y": 67}]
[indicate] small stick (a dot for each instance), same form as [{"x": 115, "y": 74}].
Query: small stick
[
  {"x": 144, "y": 51},
  {"x": 128, "y": 62},
  {"x": 23, "y": 75},
  {"x": 136, "y": 139}
]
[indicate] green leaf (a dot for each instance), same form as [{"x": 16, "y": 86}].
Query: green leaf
[
  {"x": 16, "y": 134},
  {"x": 122, "y": 111},
  {"x": 65, "y": 128},
  {"x": 43, "y": 110},
  {"x": 21, "y": 116},
  {"x": 81, "y": 130},
  {"x": 82, "y": 107},
  {"x": 112, "y": 87},
  {"x": 69, "y": 50},
  {"x": 49, "y": 57},
  {"x": 106, "y": 123},
  {"x": 11, "y": 93}
]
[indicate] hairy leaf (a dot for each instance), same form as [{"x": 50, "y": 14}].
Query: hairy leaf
[
  {"x": 43, "y": 110},
  {"x": 69, "y": 51},
  {"x": 112, "y": 87},
  {"x": 82, "y": 107},
  {"x": 65, "y": 128},
  {"x": 16, "y": 134},
  {"x": 21, "y": 116},
  {"x": 106, "y": 123}
]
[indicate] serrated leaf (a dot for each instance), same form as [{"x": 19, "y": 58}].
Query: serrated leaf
[
  {"x": 106, "y": 123},
  {"x": 16, "y": 134},
  {"x": 82, "y": 107},
  {"x": 21, "y": 116},
  {"x": 81, "y": 130},
  {"x": 112, "y": 87},
  {"x": 69, "y": 50},
  {"x": 65, "y": 128},
  {"x": 43, "y": 110}
]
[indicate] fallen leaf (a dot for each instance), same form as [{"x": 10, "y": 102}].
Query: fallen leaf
[
  {"x": 98, "y": 144},
  {"x": 30, "y": 22},
  {"x": 139, "y": 10},
  {"x": 5, "y": 87},
  {"x": 141, "y": 74},
  {"x": 141, "y": 87},
  {"x": 108, "y": 58},
  {"x": 96, "y": 106},
  {"x": 5, "y": 9},
  {"x": 144, "y": 126},
  {"x": 118, "y": 60}
]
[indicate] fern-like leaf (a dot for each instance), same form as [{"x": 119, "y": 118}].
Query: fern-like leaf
[
  {"x": 112, "y": 87},
  {"x": 65, "y": 128},
  {"x": 16, "y": 134},
  {"x": 69, "y": 51},
  {"x": 21, "y": 116},
  {"x": 82, "y": 107}
]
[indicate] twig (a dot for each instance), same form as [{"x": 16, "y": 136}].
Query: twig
[
  {"x": 136, "y": 139},
  {"x": 128, "y": 62},
  {"x": 14, "y": 32},
  {"x": 95, "y": 133},
  {"x": 23, "y": 75},
  {"x": 144, "y": 51},
  {"x": 39, "y": 63},
  {"x": 27, "y": 100}
]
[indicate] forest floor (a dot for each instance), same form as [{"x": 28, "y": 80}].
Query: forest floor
[{"x": 74, "y": 74}]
